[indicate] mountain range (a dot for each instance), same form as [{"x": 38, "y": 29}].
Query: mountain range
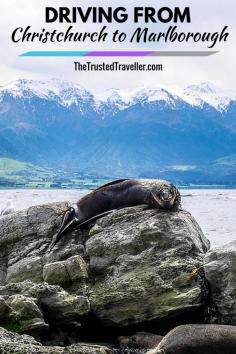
[{"x": 187, "y": 135}]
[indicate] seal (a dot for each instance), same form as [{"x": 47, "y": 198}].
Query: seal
[
  {"x": 198, "y": 339},
  {"x": 116, "y": 195}
]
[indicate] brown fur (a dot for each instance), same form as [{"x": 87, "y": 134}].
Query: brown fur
[
  {"x": 117, "y": 187},
  {"x": 123, "y": 194},
  {"x": 117, "y": 195}
]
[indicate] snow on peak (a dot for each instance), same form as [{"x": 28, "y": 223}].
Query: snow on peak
[
  {"x": 26, "y": 88},
  {"x": 210, "y": 94},
  {"x": 123, "y": 99},
  {"x": 155, "y": 94},
  {"x": 63, "y": 92},
  {"x": 205, "y": 87},
  {"x": 110, "y": 101}
]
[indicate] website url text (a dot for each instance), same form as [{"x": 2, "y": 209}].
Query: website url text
[{"x": 116, "y": 66}]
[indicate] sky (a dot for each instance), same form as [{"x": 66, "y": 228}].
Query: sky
[{"x": 206, "y": 15}]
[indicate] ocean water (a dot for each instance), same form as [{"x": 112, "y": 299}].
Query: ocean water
[{"x": 214, "y": 209}]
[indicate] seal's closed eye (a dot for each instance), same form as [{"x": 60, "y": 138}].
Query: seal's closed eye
[{"x": 166, "y": 194}]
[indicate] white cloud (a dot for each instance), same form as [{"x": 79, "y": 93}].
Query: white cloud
[{"x": 207, "y": 15}]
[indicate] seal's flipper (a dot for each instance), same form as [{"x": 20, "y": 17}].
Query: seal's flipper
[
  {"x": 69, "y": 222},
  {"x": 94, "y": 218},
  {"x": 67, "y": 218}
]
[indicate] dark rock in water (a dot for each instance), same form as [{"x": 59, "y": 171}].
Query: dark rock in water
[
  {"x": 220, "y": 266},
  {"x": 140, "y": 340},
  {"x": 128, "y": 351}
]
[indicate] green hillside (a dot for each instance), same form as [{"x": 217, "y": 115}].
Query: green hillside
[
  {"x": 10, "y": 167},
  {"x": 19, "y": 174}
]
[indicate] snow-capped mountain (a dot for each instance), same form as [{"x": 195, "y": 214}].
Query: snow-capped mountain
[
  {"x": 67, "y": 94},
  {"x": 195, "y": 95},
  {"x": 118, "y": 132},
  {"x": 64, "y": 93},
  {"x": 45, "y": 89},
  {"x": 207, "y": 93}
]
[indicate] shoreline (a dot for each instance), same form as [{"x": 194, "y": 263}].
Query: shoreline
[
  {"x": 212, "y": 208},
  {"x": 195, "y": 187}
]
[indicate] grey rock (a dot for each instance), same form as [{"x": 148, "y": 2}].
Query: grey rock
[
  {"x": 74, "y": 270},
  {"x": 13, "y": 343},
  {"x": 132, "y": 266},
  {"x": 27, "y": 266},
  {"x": 25, "y": 315},
  {"x": 25, "y": 269},
  {"x": 65, "y": 307},
  {"x": 22, "y": 314},
  {"x": 28, "y": 302},
  {"x": 220, "y": 270},
  {"x": 141, "y": 260}
]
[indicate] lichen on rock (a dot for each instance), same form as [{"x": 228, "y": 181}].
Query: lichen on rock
[
  {"x": 220, "y": 270},
  {"x": 141, "y": 260},
  {"x": 13, "y": 343},
  {"x": 130, "y": 267}
]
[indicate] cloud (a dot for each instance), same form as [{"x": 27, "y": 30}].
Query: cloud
[{"x": 209, "y": 15}]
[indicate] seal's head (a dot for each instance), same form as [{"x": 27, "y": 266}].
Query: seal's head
[{"x": 166, "y": 196}]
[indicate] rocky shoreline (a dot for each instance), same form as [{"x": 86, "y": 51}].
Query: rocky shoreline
[{"x": 135, "y": 270}]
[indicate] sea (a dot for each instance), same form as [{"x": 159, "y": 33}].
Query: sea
[{"x": 214, "y": 209}]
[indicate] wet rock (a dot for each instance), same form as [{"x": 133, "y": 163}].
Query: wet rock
[
  {"x": 128, "y": 351},
  {"x": 141, "y": 260},
  {"x": 220, "y": 265},
  {"x": 140, "y": 340}
]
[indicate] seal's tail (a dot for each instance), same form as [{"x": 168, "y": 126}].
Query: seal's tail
[{"x": 68, "y": 223}]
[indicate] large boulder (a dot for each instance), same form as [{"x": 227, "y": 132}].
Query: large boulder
[
  {"x": 11, "y": 343},
  {"x": 141, "y": 260},
  {"x": 130, "y": 267},
  {"x": 36, "y": 283},
  {"x": 220, "y": 270}
]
